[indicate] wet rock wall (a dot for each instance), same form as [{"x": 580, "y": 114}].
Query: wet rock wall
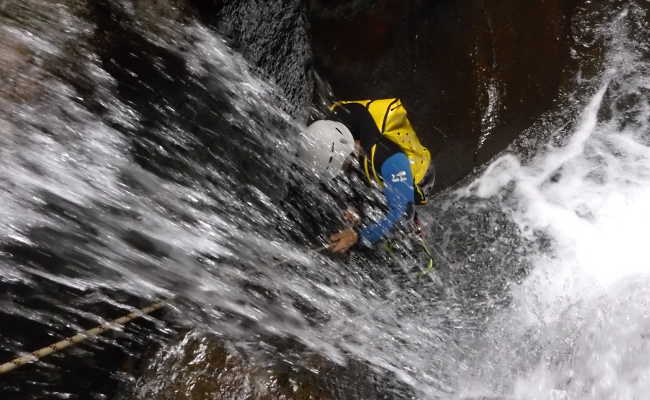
[
  {"x": 273, "y": 37},
  {"x": 474, "y": 74}
]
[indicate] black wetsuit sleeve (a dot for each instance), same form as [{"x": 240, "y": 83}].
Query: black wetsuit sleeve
[{"x": 360, "y": 123}]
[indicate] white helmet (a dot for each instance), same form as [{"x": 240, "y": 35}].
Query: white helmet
[{"x": 326, "y": 146}]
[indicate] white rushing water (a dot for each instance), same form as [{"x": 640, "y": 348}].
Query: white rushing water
[
  {"x": 578, "y": 325},
  {"x": 575, "y": 327}
]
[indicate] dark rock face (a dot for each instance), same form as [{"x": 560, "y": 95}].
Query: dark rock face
[
  {"x": 272, "y": 36},
  {"x": 473, "y": 74}
]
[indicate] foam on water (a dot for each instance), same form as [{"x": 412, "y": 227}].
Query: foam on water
[{"x": 577, "y": 325}]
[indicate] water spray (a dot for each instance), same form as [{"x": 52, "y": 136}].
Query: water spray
[
  {"x": 79, "y": 337},
  {"x": 98, "y": 330}
]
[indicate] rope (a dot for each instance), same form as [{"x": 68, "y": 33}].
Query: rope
[
  {"x": 96, "y": 331},
  {"x": 78, "y": 338}
]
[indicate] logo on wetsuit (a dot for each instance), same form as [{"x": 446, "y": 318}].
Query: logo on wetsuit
[{"x": 399, "y": 177}]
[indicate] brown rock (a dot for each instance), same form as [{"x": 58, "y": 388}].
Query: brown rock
[{"x": 202, "y": 367}]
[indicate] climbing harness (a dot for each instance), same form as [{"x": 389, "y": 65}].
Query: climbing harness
[{"x": 430, "y": 262}]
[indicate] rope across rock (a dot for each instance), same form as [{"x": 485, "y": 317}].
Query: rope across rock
[{"x": 78, "y": 338}]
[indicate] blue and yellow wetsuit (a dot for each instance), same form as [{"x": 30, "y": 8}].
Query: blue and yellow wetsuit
[{"x": 391, "y": 164}]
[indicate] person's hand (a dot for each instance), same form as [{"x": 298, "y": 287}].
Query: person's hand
[{"x": 342, "y": 241}]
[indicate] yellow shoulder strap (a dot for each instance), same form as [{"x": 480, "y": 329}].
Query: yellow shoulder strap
[
  {"x": 369, "y": 166},
  {"x": 379, "y": 110},
  {"x": 339, "y": 103}
]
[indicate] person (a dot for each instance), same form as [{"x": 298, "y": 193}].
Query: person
[{"x": 392, "y": 156}]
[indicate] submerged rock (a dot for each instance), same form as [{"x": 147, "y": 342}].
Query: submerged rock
[{"x": 206, "y": 367}]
